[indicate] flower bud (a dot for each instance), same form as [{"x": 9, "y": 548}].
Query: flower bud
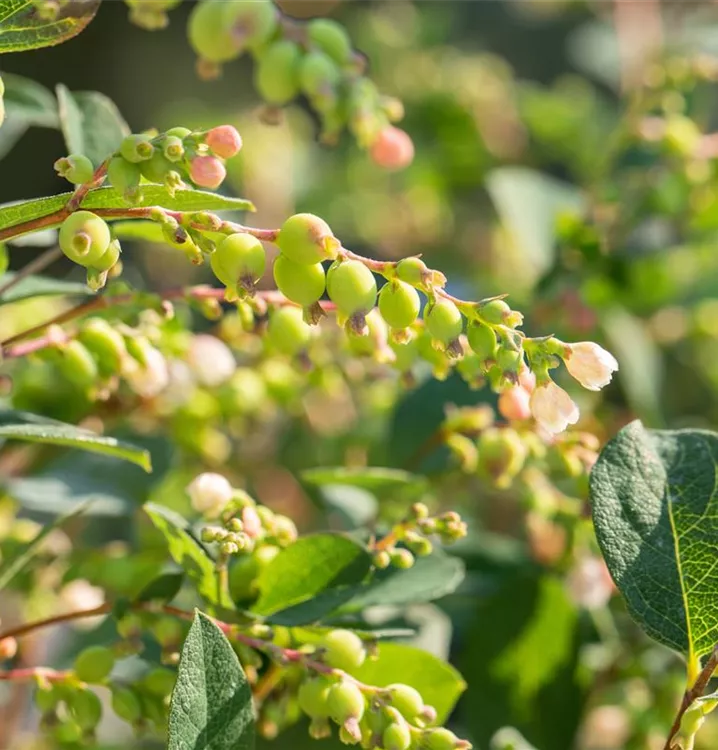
[
  {"x": 137, "y": 148},
  {"x": 207, "y": 172},
  {"x": 514, "y": 404},
  {"x": 172, "y": 148},
  {"x": 392, "y": 149},
  {"x": 224, "y": 141},
  {"x": 209, "y": 494},
  {"x": 210, "y": 360}
]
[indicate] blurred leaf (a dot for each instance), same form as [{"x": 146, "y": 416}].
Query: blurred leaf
[
  {"x": 438, "y": 682},
  {"x": 654, "y": 498},
  {"x": 150, "y": 231},
  {"x": 211, "y": 706},
  {"x": 43, "y": 238},
  {"x": 522, "y": 658},
  {"x": 352, "y": 507},
  {"x": 114, "y": 487},
  {"x": 17, "y": 564},
  {"x": 107, "y": 197},
  {"x": 528, "y": 203},
  {"x": 12, "y": 130},
  {"x": 13, "y": 416},
  {"x": 189, "y": 554},
  {"x": 593, "y": 48},
  {"x": 4, "y": 259},
  {"x": 22, "y": 28},
  {"x": 374, "y": 478},
  {"x": 74, "y": 437},
  {"x": 164, "y": 588},
  {"x": 27, "y": 103},
  {"x": 641, "y": 367},
  {"x": 91, "y": 124},
  {"x": 308, "y": 567},
  {"x": 40, "y": 286}
]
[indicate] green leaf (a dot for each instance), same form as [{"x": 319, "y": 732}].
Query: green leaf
[
  {"x": 211, "y": 705},
  {"x": 189, "y": 554},
  {"x": 149, "y": 231},
  {"x": 311, "y": 565},
  {"x": 655, "y": 502},
  {"x": 438, "y": 682},
  {"x": 40, "y": 286},
  {"x": 29, "y": 101},
  {"x": 164, "y": 588},
  {"x": 17, "y": 564},
  {"x": 91, "y": 124},
  {"x": 74, "y": 437},
  {"x": 374, "y": 478},
  {"x": 22, "y": 28},
  {"x": 189, "y": 199}
]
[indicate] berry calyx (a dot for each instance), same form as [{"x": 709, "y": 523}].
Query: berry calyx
[
  {"x": 94, "y": 664},
  {"x": 137, "y": 148},
  {"x": 332, "y": 38},
  {"x": 287, "y": 330},
  {"x": 277, "y": 73},
  {"x": 305, "y": 238},
  {"x": 172, "y": 148},
  {"x": 75, "y": 168},
  {"x": 84, "y": 237},
  {"x": 125, "y": 177},
  {"x": 406, "y": 700},
  {"x": 399, "y": 304},
  {"x": 224, "y": 141},
  {"x": 313, "y": 697},
  {"x": 444, "y": 321},
  {"x": 392, "y": 149},
  {"x": 239, "y": 260},
  {"x": 352, "y": 287},
  {"x": 299, "y": 282},
  {"x": 207, "y": 171},
  {"x": 345, "y": 701},
  {"x": 343, "y": 649}
]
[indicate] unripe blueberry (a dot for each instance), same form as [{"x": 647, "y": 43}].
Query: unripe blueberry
[
  {"x": 276, "y": 76},
  {"x": 440, "y": 739},
  {"x": 343, "y": 649},
  {"x": 94, "y": 664},
  {"x": 392, "y": 149},
  {"x": 209, "y": 34},
  {"x": 482, "y": 340},
  {"x": 444, "y": 321},
  {"x": 312, "y": 696},
  {"x": 495, "y": 312},
  {"x": 399, "y": 304},
  {"x": 239, "y": 260},
  {"x": 332, "y": 38},
  {"x": 224, "y": 141},
  {"x": 351, "y": 286},
  {"x": 287, "y": 330},
  {"x": 318, "y": 74},
  {"x": 85, "y": 708},
  {"x": 413, "y": 271},
  {"x": 251, "y": 23},
  {"x": 77, "y": 364},
  {"x": 305, "y": 238},
  {"x": 406, "y": 700},
  {"x": 126, "y": 704},
  {"x": 396, "y": 737},
  {"x": 345, "y": 701},
  {"x": 125, "y": 177},
  {"x": 207, "y": 171},
  {"x": 105, "y": 344},
  {"x": 137, "y": 148},
  {"x": 299, "y": 282},
  {"x": 109, "y": 258},
  {"x": 84, "y": 237},
  {"x": 75, "y": 168}
]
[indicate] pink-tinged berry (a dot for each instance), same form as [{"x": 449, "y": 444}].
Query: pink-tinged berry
[
  {"x": 392, "y": 149},
  {"x": 207, "y": 172},
  {"x": 224, "y": 141},
  {"x": 305, "y": 238}
]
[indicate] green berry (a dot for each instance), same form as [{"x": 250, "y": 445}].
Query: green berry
[
  {"x": 47, "y": 698},
  {"x": 406, "y": 700},
  {"x": 318, "y": 74},
  {"x": 482, "y": 340},
  {"x": 85, "y": 708},
  {"x": 299, "y": 282},
  {"x": 402, "y": 559},
  {"x": 157, "y": 167},
  {"x": 305, "y": 238},
  {"x": 351, "y": 286},
  {"x": 399, "y": 304},
  {"x": 178, "y": 132},
  {"x": 251, "y": 23},
  {"x": 343, "y": 649},
  {"x": 508, "y": 359},
  {"x": 137, "y": 148},
  {"x": 495, "y": 312},
  {"x": 67, "y": 733},
  {"x": 75, "y": 168},
  {"x": 287, "y": 330},
  {"x": 396, "y": 737},
  {"x": 332, "y": 38},
  {"x": 94, "y": 664},
  {"x": 444, "y": 321},
  {"x": 77, "y": 364},
  {"x": 276, "y": 76},
  {"x": 106, "y": 345},
  {"x": 84, "y": 237},
  {"x": 109, "y": 258},
  {"x": 412, "y": 270},
  {"x": 209, "y": 34},
  {"x": 345, "y": 701},
  {"x": 239, "y": 260},
  {"x": 439, "y": 739},
  {"x": 502, "y": 455},
  {"x": 126, "y": 704},
  {"x": 313, "y": 697},
  {"x": 160, "y": 681},
  {"x": 125, "y": 177}
]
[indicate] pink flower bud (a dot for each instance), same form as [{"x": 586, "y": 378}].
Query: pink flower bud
[
  {"x": 207, "y": 171},
  {"x": 251, "y": 522},
  {"x": 8, "y": 648},
  {"x": 590, "y": 364},
  {"x": 589, "y": 583},
  {"x": 514, "y": 403},
  {"x": 224, "y": 141},
  {"x": 552, "y": 407},
  {"x": 209, "y": 494},
  {"x": 211, "y": 360},
  {"x": 393, "y": 149}
]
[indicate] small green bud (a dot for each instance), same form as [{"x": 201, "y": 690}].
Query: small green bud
[
  {"x": 502, "y": 454},
  {"x": 77, "y": 364},
  {"x": 209, "y": 34},
  {"x": 482, "y": 340},
  {"x": 444, "y": 321},
  {"x": 440, "y": 739},
  {"x": 137, "y": 148},
  {"x": 75, "y": 168},
  {"x": 342, "y": 649},
  {"x": 382, "y": 559},
  {"x": 109, "y": 258},
  {"x": 345, "y": 701},
  {"x": 172, "y": 148},
  {"x": 94, "y": 664},
  {"x": 106, "y": 345}
]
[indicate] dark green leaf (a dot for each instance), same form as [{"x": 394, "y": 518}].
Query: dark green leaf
[
  {"x": 438, "y": 682},
  {"x": 654, "y": 500},
  {"x": 309, "y": 566},
  {"x": 17, "y": 564},
  {"x": 211, "y": 706},
  {"x": 22, "y": 28},
  {"x": 40, "y": 286},
  {"x": 189, "y": 554},
  {"x": 164, "y": 588},
  {"x": 74, "y": 437},
  {"x": 91, "y": 123}
]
